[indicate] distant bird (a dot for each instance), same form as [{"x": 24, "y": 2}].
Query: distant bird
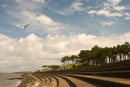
[{"x": 25, "y": 26}]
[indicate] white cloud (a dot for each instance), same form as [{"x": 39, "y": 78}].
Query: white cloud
[
  {"x": 19, "y": 26},
  {"x": 106, "y": 23},
  {"x": 29, "y": 4},
  {"x": 40, "y": 1},
  {"x": 114, "y": 5},
  {"x": 115, "y": 2},
  {"x": 54, "y": 29},
  {"x": 127, "y": 16},
  {"x": 18, "y": 1},
  {"x": 61, "y": 12},
  {"x": 29, "y": 12},
  {"x": 37, "y": 21},
  {"x": 105, "y": 13},
  {"x": 77, "y": 6},
  {"x": 110, "y": 8},
  {"x": 4, "y": 5},
  {"x": 119, "y": 8},
  {"x": 32, "y": 52},
  {"x": 45, "y": 20}
]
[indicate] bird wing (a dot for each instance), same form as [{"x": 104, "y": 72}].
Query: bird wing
[{"x": 25, "y": 26}]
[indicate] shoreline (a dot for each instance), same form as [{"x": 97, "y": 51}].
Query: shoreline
[{"x": 9, "y": 79}]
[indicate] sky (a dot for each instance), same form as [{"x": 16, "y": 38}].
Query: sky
[{"x": 58, "y": 28}]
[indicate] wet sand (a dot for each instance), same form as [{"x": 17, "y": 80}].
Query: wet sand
[{"x": 8, "y": 80}]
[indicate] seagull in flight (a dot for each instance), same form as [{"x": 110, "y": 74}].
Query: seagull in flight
[{"x": 25, "y": 26}]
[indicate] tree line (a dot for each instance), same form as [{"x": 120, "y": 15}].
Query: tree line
[{"x": 99, "y": 55}]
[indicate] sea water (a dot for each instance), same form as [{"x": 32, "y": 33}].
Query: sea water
[{"x": 7, "y": 80}]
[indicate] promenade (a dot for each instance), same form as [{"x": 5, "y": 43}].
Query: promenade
[{"x": 108, "y": 75}]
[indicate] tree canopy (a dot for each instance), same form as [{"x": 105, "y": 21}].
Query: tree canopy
[{"x": 100, "y": 55}]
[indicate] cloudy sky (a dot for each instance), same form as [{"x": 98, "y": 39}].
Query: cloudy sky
[{"x": 58, "y": 28}]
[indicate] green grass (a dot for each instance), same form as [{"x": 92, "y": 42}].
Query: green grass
[{"x": 69, "y": 67}]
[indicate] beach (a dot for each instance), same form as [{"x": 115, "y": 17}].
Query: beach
[{"x": 9, "y": 79}]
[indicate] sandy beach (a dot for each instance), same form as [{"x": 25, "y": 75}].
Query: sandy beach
[{"x": 7, "y": 79}]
